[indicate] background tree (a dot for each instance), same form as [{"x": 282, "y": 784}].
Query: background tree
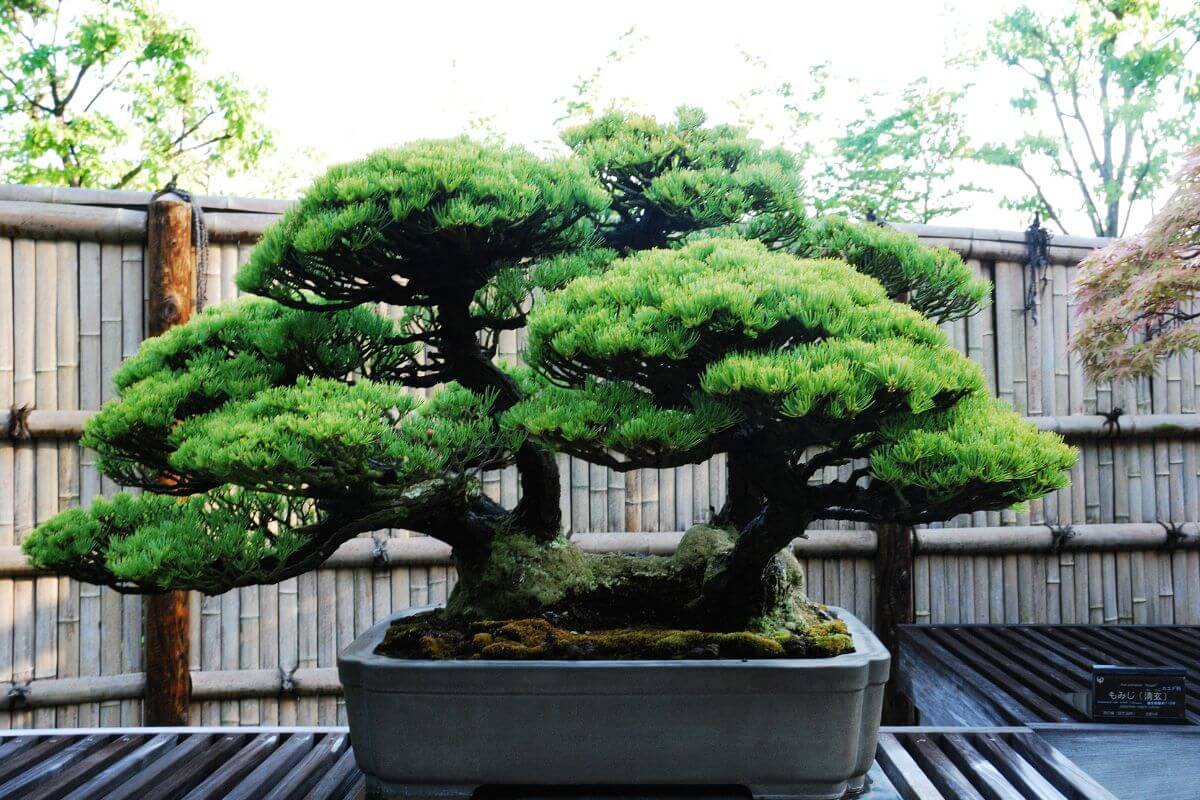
[
  {"x": 1116, "y": 85},
  {"x": 1137, "y": 297},
  {"x": 589, "y": 95},
  {"x": 674, "y": 319},
  {"x": 112, "y": 95},
  {"x": 903, "y": 166},
  {"x": 784, "y": 109}
]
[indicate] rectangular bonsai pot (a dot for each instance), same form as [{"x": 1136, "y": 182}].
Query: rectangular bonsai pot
[{"x": 782, "y": 728}]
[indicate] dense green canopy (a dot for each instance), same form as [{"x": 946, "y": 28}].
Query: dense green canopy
[
  {"x": 933, "y": 280},
  {"x": 228, "y": 353},
  {"x": 679, "y": 304},
  {"x": 413, "y": 224},
  {"x": 286, "y": 423},
  {"x": 672, "y": 356},
  {"x": 667, "y": 180}
]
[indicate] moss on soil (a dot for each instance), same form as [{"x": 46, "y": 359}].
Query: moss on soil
[
  {"x": 437, "y": 637},
  {"x": 528, "y": 599}
]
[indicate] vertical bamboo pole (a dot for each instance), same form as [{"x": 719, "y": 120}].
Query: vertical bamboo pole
[
  {"x": 633, "y": 501},
  {"x": 231, "y": 610},
  {"x": 814, "y": 573},
  {"x": 666, "y": 499},
  {"x": 68, "y": 318},
  {"x": 615, "y": 514},
  {"x": 111, "y": 632},
  {"x": 24, "y": 393},
  {"x": 89, "y": 476},
  {"x": 45, "y": 621},
  {"x": 7, "y": 463},
  {"x": 306, "y": 639},
  {"x": 327, "y": 602},
  {"x": 344, "y": 631},
  {"x": 597, "y": 497},
  {"x": 289, "y": 649},
  {"x": 171, "y": 265}
]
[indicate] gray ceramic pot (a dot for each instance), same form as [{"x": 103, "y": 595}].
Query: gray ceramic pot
[{"x": 782, "y": 728}]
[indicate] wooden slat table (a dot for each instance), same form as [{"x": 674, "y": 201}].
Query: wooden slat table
[
  {"x": 318, "y": 764},
  {"x": 1038, "y": 676},
  {"x": 1024, "y": 674}
]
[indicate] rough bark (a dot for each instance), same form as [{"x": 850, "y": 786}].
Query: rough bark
[
  {"x": 172, "y": 264},
  {"x": 893, "y": 607},
  {"x": 168, "y": 683},
  {"x": 743, "y": 500},
  {"x": 537, "y": 512}
]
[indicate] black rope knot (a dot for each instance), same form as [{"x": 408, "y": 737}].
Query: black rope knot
[
  {"x": 18, "y": 695},
  {"x": 1175, "y": 534},
  {"x": 287, "y": 682},
  {"x": 18, "y": 424},
  {"x": 1037, "y": 259},
  {"x": 1060, "y": 535},
  {"x": 1112, "y": 422},
  {"x": 379, "y": 554}
]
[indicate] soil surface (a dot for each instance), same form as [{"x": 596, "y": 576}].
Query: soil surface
[{"x": 435, "y": 636}]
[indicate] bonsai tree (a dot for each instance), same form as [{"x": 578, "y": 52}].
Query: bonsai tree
[
  {"x": 1136, "y": 295},
  {"x": 679, "y": 305}
]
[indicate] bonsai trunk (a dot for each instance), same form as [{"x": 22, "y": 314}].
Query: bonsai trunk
[{"x": 717, "y": 580}]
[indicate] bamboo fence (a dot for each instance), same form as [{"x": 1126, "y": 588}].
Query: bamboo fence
[{"x": 1120, "y": 545}]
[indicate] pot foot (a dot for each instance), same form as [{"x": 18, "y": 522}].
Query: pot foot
[
  {"x": 799, "y": 791},
  {"x": 385, "y": 790}
]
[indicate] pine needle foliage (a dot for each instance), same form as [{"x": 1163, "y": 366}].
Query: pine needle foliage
[
  {"x": 679, "y": 305},
  {"x": 933, "y": 280},
  {"x": 230, "y": 352},
  {"x": 667, "y": 180},
  {"x": 406, "y": 225},
  {"x": 226, "y": 538},
  {"x": 673, "y": 356}
]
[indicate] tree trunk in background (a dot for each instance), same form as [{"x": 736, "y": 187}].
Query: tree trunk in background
[
  {"x": 894, "y": 607},
  {"x": 168, "y": 684},
  {"x": 171, "y": 261}
]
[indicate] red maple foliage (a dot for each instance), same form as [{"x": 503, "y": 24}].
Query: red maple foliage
[{"x": 1137, "y": 298}]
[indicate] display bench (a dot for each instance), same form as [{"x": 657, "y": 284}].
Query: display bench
[
  {"x": 318, "y": 764},
  {"x": 1041, "y": 677}
]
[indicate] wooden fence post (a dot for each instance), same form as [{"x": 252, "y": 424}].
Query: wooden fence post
[
  {"x": 171, "y": 260},
  {"x": 894, "y": 606}
]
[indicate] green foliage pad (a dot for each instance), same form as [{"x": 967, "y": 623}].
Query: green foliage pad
[{"x": 679, "y": 306}]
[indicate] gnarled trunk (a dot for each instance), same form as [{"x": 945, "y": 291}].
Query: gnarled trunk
[{"x": 708, "y": 584}]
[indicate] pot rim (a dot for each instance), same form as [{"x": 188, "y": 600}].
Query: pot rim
[{"x": 869, "y": 655}]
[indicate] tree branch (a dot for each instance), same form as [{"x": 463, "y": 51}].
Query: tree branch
[
  {"x": 106, "y": 86},
  {"x": 32, "y": 102},
  {"x": 1045, "y": 201},
  {"x": 1077, "y": 171}
]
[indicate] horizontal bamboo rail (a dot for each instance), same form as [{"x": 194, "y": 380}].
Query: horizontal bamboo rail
[
  {"x": 1108, "y": 537},
  {"x": 423, "y": 551},
  {"x": 50, "y": 424},
  {"x": 426, "y": 551},
  {"x": 997, "y": 245},
  {"x": 43, "y": 213},
  {"x": 132, "y": 199},
  {"x": 231, "y": 684},
  {"x": 69, "y": 424},
  {"x": 1125, "y": 426},
  {"x": 26, "y": 220}
]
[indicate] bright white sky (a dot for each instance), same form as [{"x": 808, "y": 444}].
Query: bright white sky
[{"x": 347, "y": 77}]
